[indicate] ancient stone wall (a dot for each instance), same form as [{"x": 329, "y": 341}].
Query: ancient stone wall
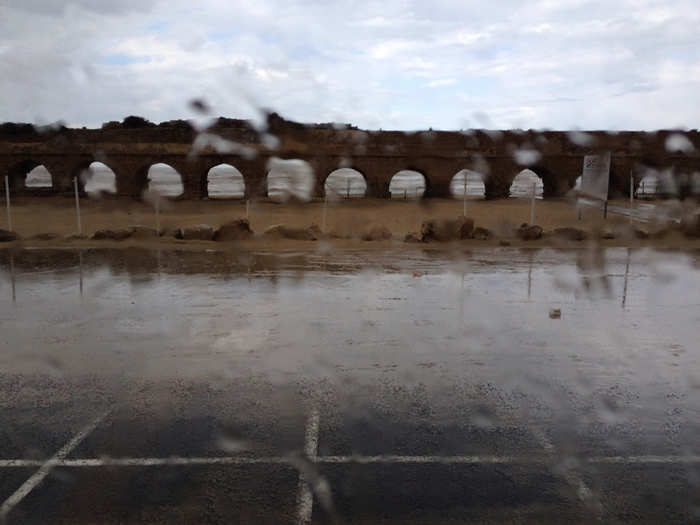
[{"x": 130, "y": 148}]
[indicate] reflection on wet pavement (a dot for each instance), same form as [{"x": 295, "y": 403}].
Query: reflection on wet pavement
[{"x": 430, "y": 386}]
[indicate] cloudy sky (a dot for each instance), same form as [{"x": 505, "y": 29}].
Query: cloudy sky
[{"x": 391, "y": 64}]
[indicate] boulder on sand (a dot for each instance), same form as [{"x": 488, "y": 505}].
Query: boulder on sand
[
  {"x": 447, "y": 229},
  {"x": 690, "y": 224},
  {"x": 482, "y": 234},
  {"x": 377, "y": 233},
  {"x": 201, "y": 232},
  {"x": 413, "y": 237},
  {"x": 46, "y": 236},
  {"x": 280, "y": 231},
  {"x": 238, "y": 230},
  {"x": 529, "y": 232},
  {"x": 570, "y": 234},
  {"x": 466, "y": 230},
  {"x": 111, "y": 235},
  {"x": 8, "y": 236},
  {"x": 640, "y": 233},
  {"x": 143, "y": 232},
  {"x": 607, "y": 233}
]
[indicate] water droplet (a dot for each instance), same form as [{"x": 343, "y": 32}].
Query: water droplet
[
  {"x": 581, "y": 138},
  {"x": 200, "y": 106},
  {"x": 677, "y": 142},
  {"x": 526, "y": 156}
]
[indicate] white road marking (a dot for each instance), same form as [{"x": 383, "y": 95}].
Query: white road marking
[
  {"x": 10, "y": 463},
  {"x": 174, "y": 461},
  {"x": 572, "y": 478},
  {"x": 388, "y": 458},
  {"x": 305, "y": 497},
  {"x": 46, "y": 467},
  {"x": 628, "y": 460},
  {"x": 311, "y": 435}
]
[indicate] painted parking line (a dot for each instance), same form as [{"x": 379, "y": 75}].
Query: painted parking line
[
  {"x": 174, "y": 461},
  {"x": 46, "y": 467},
  {"x": 306, "y": 496},
  {"x": 568, "y": 473}
]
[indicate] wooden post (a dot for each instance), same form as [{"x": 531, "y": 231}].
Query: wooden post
[
  {"x": 77, "y": 204},
  {"x": 12, "y": 277},
  {"x": 247, "y": 208},
  {"x": 7, "y": 201},
  {"x": 80, "y": 266},
  {"x": 631, "y": 190},
  {"x": 605, "y": 210},
  {"x": 464, "y": 198},
  {"x": 157, "y": 214},
  {"x": 627, "y": 272},
  {"x": 532, "y": 203},
  {"x": 325, "y": 211}
]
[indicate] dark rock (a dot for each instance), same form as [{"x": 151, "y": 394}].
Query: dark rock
[
  {"x": 570, "y": 234},
  {"x": 143, "y": 232},
  {"x": 238, "y": 230},
  {"x": 447, "y": 230},
  {"x": 690, "y": 224},
  {"x": 170, "y": 232},
  {"x": 427, "y": 230},
  {"x": 660, "y": 233},
  {"x": 47, "y": 236},
  {"x": 529, "y": 232},
  {"x": 112, "y": 235},
  {"x": 377, "y": 233},
  {"x": 503, "y": 242},
  {"x": 482, "y": 234},
  {"x": 466, "y": 230},
  {"x": 75, "y": 237},
  {"x": 640, "y": 233},
  {"x": 8, "y": 236},
  {"x": 338, "y": 235},
  {"x": 607, "y": 233},
  {"x": 315, "y": 231},
  {"x": 201, "y": 232},
  {"x": 413, "y": 237},
  {"x": 281, "y": 231}
]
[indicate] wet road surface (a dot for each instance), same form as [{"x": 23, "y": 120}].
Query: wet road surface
[{"x": 144, "y": 387}]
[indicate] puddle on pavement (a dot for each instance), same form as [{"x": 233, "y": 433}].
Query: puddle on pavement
[
  {"x": 422, "y": 315},
  {"x": 418, "y": 353}
]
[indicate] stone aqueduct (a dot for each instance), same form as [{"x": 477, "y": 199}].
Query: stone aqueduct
[{"x": 131, "y": 147}]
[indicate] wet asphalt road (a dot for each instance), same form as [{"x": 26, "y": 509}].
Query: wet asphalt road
[
  {"x": 395, "y": 458},
  {"x": 416, "y": 432}
]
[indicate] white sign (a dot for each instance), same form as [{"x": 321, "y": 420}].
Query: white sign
[{"x": 595, "y": 178}]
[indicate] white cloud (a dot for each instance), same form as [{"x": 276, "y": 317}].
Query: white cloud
[
  {"x": 441, "y": 82},
  {"x": 555, "y": 64}
]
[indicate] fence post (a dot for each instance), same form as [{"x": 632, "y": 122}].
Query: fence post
[
  {"x": 532, "y": 203},
  {"x": 464, "y": 199},
  {"x": 631, "y": 191},
  {"x": 7, "y": 201},
  {"x": 77, "y": 204},
  {"x": 157, "y": 214},
  {"x": 325, "y": 211}
]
